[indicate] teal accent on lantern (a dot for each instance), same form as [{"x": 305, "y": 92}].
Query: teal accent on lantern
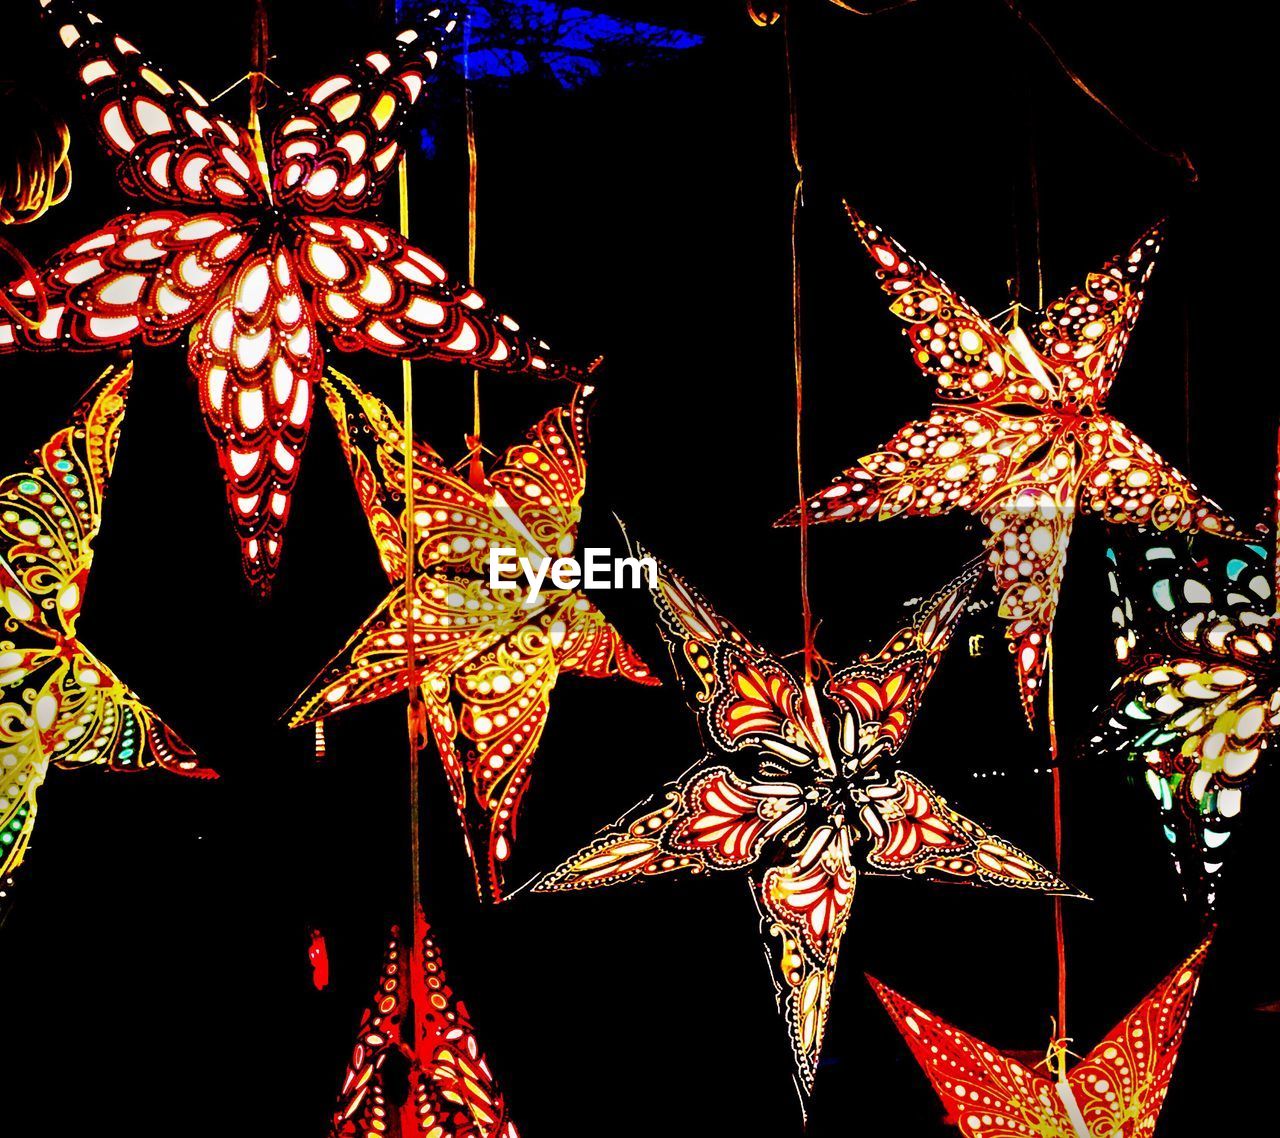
[{"x": 1162, "y": 591}]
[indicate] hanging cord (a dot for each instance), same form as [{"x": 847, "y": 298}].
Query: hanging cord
[
  {"x": 1180, "y": 157},
  {"x": 474, "y": 447},
  {"x": 797, "y": 354},
  {"x": 1059, "y": 926},
  {"x": 1059, "y": 930},
  {"x": 416, "y": 715},
  {"x": 1275, "y": 522}
]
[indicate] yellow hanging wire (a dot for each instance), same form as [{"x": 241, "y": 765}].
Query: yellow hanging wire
[{"x": 416, "y": 715}]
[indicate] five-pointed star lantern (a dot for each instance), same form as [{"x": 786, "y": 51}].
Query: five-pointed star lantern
[
  {"x": 255, "y": 250},
  {"x": 800, "y": 794},
  {"x": 487, "y": 659},
  {"x": 1018, "y": 436},
  {"x": 1199, "y": 696},
  {"x": 1116, "y": 1091},
  {"x": 452, "y": 1092},
  {"x": 59, "y": 703}
]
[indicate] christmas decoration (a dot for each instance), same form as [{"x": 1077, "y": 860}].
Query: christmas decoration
[
  {"x": 1018, "y": 436},
  {"x": 59, "y": 704},
  {"x": 801, "y": 793},
  {"x": 1198, "y": 699},
  {"x": 1117, "y": 1089},
  {"x": 452, "y": 1092},
  {"x": 257, "y": 250},
  {"x": 487, "y": 659}
]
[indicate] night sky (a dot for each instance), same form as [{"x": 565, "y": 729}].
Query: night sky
[{"x": 154, "y": 964}]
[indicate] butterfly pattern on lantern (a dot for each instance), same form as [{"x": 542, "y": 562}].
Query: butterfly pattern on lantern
[
  {"x": 1117, "y": 1089},
  {"x": 59, "y": 704},
  {"x": 1198, "y": 699},
  {"x": 1018, "y": 436},
  {"x": 487, "y": 659},
  {"x": 452, "y": 1091},
  {"x": 801, "y": 792},
  {"x": 256, "y": 251}
]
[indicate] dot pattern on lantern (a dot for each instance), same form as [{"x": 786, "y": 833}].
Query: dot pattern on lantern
[
  {"x": 59, "y": 704},
  {"x": 488, "y": 659},
  {"x": 452, "y": 1090},
  {"x": 802, "y": 793},
  {"x": 1018, "y": 436},
  {"x": 1117, "y": 1089},
  {"x": 1197, "y": 702},
  {"x": 257, "y": 251}
]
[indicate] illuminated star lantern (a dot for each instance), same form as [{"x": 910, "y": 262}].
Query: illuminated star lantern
[
  {"x": 487, "y": 658},
  {"x": 1116, "y": 1090},
  {"x": 1018, "y": 436},
  {"x": 452, "y": 1092},
  {"x": 257, "y": 250},
  {"x": 800, "y": 793},
  {"x": 59, "y": 704},
  {"x": 1199, "y": 695}
]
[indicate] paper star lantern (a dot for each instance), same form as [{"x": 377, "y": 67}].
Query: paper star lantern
[
  {"x": 1198, "y": 699},
  {"x": 1116, "y": 1090},
  {"x": 1018, "y": 436},
  {"x": 59, "y": 704},
  {"x": 487, "y": 659},
  {"x": 452, "y": 1092},
  {"x": 257, "y": 250},
  {"x": 801, "y": 794}
]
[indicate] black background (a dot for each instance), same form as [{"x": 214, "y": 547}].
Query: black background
[{"x": 154, "y": 968}]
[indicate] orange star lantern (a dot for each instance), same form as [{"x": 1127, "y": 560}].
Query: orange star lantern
[
  {"x": 1018, "y": 436},
  {"x": 1116, "y": 1091}
]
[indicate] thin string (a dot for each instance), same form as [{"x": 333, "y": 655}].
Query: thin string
[
  {"x": 873, "y": 11},
  {"x": 1059, "y": 932},
  {"x": 806, "y": 610},
  {"x": 1181, "y": 157},
  {"x": 472, "y": 169},
  {"x": 468, "y": 100},
  {"x": 1275, "y": 521},
  {"x": 1059, "y": 927},
  {"x": 415, "y": 716}
]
